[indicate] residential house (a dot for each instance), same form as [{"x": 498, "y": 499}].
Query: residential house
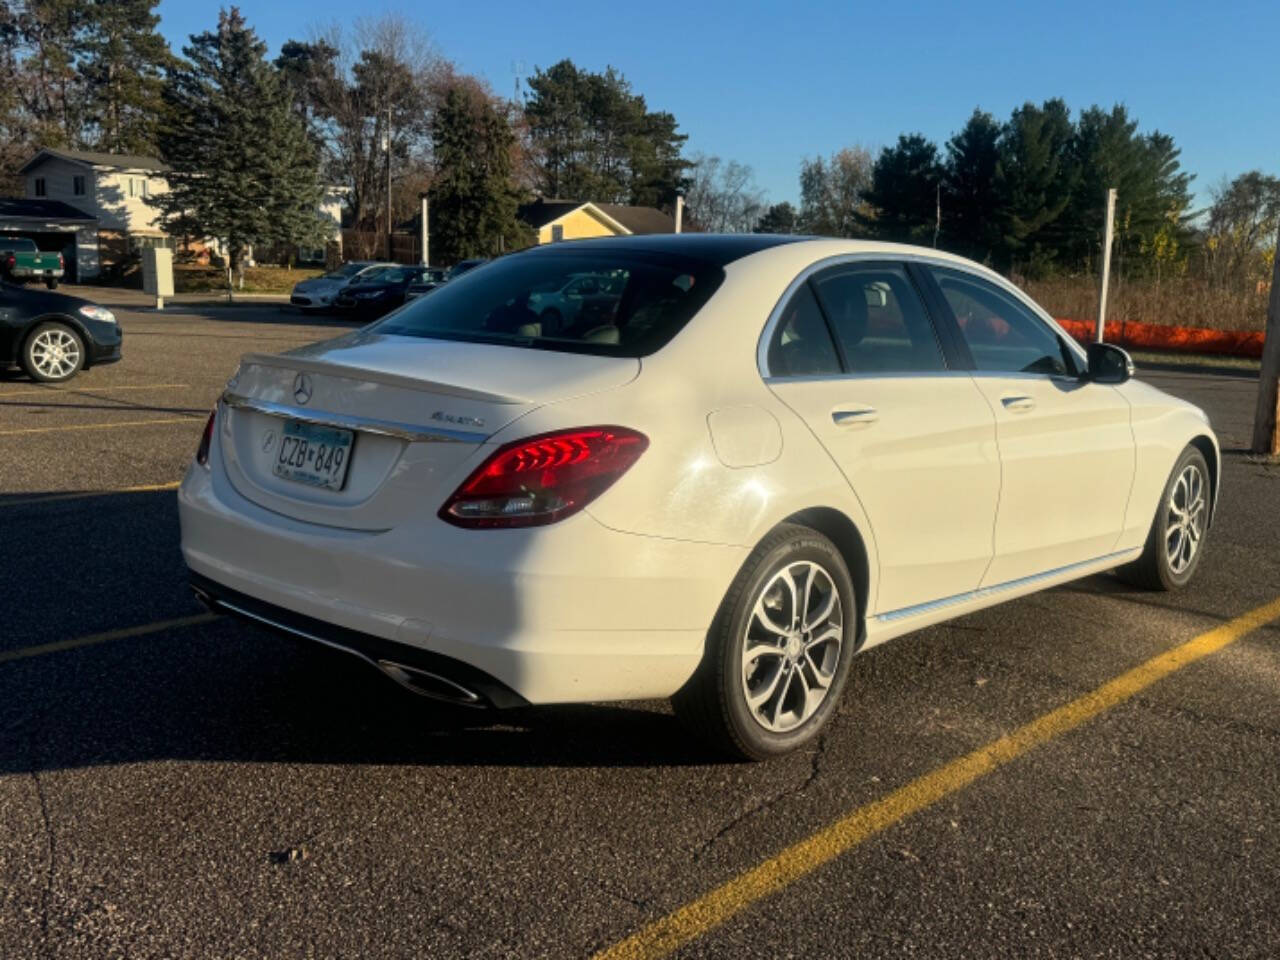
[
  {"x": 113, "y": 189},
  {"x": 574, "y": 219},
  {"x": 115, "y": 193}
]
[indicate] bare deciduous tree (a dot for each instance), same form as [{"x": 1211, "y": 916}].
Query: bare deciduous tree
[
  {"x": 722, "y": 196},
  {"x": 832, "y": 192}
]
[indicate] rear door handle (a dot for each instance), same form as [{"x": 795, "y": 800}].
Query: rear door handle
[
  {"x": 1018, "y": 403},
  {"x": 854, "y": 416}
]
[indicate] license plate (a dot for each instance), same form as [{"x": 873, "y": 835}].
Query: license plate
[{"x": 314, "y": 455}]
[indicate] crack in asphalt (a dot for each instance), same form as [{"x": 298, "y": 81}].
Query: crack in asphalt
[{"x": 815, "y": 770}]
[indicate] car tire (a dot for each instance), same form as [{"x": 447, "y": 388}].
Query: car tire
[
  {"x": 52, "y": 353},
  {"x": 1176, "y": 541},
  {"x": 764, "y": 689},
  {"x": 51, "y": 284}
]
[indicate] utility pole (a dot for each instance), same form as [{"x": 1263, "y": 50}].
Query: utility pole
[
  {"x": 423, "y": 231},
  {"x": 679, "y": 211},
  {"x": 937, "y": 218},
  {"x": 1106, "y": 263},
  {"x": 387, "y": 143},
  {"x": 1266, "y": 420}
]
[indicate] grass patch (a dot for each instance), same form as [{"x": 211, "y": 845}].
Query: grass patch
[
  {"x": 1180, "y": 302},
  {"x": 193, "y": 278}
]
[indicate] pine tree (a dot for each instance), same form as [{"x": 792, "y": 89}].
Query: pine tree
[
  {"x": 779, "y": 218},
  {"x": 969, "y": 200},
  {"x": 121, "y": 68},
  {"x": 473, "y": 200},
  {"x": 1035, "y": 177},
  {"x": 904, "y": 190},
  {"x": 599, "y": 141},
  {"x": 242, "y": 168}
]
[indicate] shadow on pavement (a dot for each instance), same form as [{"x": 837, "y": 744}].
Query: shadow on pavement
[{"x": 227, "y": 692}]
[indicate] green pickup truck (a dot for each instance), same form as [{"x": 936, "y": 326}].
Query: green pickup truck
[{"x": 21, "y": 260}]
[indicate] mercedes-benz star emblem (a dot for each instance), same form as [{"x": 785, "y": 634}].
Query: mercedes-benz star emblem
[{"x": 302, "y": 388}]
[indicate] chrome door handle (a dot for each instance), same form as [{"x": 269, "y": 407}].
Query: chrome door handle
[
  {"x": 852, "y": 417},
  {"x": 1018, "y": 403}
]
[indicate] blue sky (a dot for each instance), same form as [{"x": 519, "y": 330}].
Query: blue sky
[{"x": 768, "y": 84}]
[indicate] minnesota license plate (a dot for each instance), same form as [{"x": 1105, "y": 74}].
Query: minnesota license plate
[{"x": 314, "y": 455}]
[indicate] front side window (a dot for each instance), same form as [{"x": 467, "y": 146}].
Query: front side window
[
  {"x": 879, "y": 320},
  {"x": 639, "y": 301},
  {"x": 802, "y": 345},
  {"x": 1002, "y": 334}
]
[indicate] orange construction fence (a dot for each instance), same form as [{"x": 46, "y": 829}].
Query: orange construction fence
[{"x": 1235, "y": 343}]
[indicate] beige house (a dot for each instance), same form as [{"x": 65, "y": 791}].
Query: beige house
[{"x": 115, "y": 191}]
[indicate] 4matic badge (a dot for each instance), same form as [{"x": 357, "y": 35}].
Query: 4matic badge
[{"x": 458, "y": 419}]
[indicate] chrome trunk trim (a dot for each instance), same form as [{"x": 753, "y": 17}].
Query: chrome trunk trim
[{"x": 413, "y": 432}]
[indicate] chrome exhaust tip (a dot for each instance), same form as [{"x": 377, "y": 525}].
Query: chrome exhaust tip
[{"x": 428, "y": 684}]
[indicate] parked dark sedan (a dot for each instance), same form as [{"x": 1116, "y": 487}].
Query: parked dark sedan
[
  {"x": 53, "y": 336},
  {"x": 380, "y": 293}
]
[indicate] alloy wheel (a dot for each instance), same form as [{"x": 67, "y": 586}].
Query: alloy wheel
[
  {"x": 55, "y": 353},
  {"x": 791, "y": 646},
  {"x": 1185, "y": 522}
]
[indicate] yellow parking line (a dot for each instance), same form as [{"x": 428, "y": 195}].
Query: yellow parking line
[
  {"x": 24, "y": 653},
  {"x": 81, "y": 494},
  {"x": 712, "y": 909},
  {"x": 99, "y": 426},
  {"x": 45, "y": 391}
]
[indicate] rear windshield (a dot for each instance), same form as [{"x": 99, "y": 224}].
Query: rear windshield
[
  {"x": 18, "y": 244},
  {"x": 623, "y": 304}
]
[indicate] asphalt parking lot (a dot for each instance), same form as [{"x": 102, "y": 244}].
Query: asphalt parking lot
[{"x": 176, "y": 785}]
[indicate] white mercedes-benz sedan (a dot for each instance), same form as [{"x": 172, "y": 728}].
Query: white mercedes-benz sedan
[{"x": 752, "y": 459}]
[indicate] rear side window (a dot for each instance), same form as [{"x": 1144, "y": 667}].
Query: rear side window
[
  {"x": 625, "y": 303},
  {"x": 1002, "y": 334},
  {"x": 801, "y": 345},
  {"x": 879, "y": 320}
]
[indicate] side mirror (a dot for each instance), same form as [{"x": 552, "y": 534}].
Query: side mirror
[{"x": 1108, "y": 364}]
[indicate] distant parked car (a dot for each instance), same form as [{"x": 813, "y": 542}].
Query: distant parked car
[
  {"x": 371, "y": 295},
  {"x": 319, "y": 293},
  {"x": 462, "y": 266},
  {"x": 53, "y": 336},
  {"x": 587, "y": 298},
  {"x": 430, "y": 278},
  {"x": 21, "y": 260}
]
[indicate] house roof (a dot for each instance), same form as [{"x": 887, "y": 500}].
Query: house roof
[
  {"x": 640, "y": 220},
  {"x": 120, "y": 161},
  {"x": 635, "y": 220},
  {"x": 541, "y": 212},
  {"x": 17, "y": 208}
]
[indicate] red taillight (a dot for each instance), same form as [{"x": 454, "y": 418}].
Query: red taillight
[
  {"x": 206, "y": 438},
  {"x": 61, "y": 264},
  {"x": 543, "y": 479}
]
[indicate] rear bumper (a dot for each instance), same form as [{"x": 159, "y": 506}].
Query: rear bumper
[
  {"x": 416, "y": 669},
  {"x": 571, "y": 612},
  {"x": 36, "y": 273}
]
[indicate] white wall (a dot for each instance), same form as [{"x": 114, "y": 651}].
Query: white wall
[
  {"x": 107, "y": 193},
  {"x": 119, "y": 210},
  {"x": 59, "y": 184}
]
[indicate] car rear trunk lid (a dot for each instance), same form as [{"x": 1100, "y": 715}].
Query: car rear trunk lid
[{"x": 418, "y": 411}]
